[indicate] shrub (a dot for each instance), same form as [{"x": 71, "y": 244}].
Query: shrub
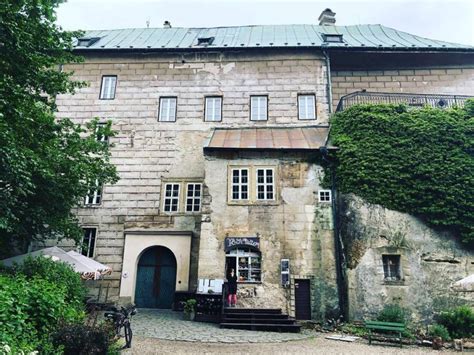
[
  {"x": 57, "y": 272},
  {"x": 84, "y": 340},
  {"x": 393, "y": 313},
  {"x": 438, "y": 330},
  {"x": 459, "y": 321},
  {"x": 190, "y": 306}
]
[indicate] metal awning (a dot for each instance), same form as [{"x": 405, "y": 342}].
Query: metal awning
[{"x": 269, "y": 138}]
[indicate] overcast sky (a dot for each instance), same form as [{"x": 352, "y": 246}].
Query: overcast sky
[{"x": 448, "y": 20}]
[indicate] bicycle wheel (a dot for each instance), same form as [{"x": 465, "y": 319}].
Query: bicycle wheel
[{"x": 128, "y": 335}]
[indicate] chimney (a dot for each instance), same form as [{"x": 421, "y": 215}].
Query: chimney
[
  {"x": 166, "y": 24},
  {"x": 327, "y": 17}
]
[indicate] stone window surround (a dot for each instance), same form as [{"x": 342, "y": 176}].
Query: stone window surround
[
  {"x": 102, "y": 81},
  {"x": 404, "y": 264},
  {"x": 252, "y": 183},
  {"x": 183, "y": 190}
]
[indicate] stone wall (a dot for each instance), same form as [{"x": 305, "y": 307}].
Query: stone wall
[
  {"x": 146, "y": 151},
  {"x": 430, "y": 261},
  {"x": 421, "y": 81},
  {"x": 294, "y": 227}
]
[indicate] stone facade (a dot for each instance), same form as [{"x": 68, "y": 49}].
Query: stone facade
[
  {"x": 441, "y": 80},
  {"x": 149, "y": 153},
  {"x": 430, "y": 262}
]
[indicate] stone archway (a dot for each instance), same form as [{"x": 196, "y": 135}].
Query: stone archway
[{"x": 136, "y": 244}]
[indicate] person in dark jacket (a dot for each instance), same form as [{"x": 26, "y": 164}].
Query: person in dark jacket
[{"x": 232, "y": 283}]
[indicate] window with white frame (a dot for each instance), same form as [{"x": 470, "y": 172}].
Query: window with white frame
[
  {"x": 306, "y": 107},
  {"x": 107, "y": 88},
  {"x": 100, "y": 136},
  {"x": 324, "y": 195},
  {"x": 167, "y": 111},
  {"x": 193, "y": 197},
  {"x": 88, "y": 242},
  {"x": 171, "y": 198},
  {"x": 258, "y": 108},
  {"x": 94, "y": 197},
  {"x": 213, "y": 109},
  {"x": 246, "y": 263},
  {"x": 240, "y": 184},
  {"x": 265, "y": 184}
]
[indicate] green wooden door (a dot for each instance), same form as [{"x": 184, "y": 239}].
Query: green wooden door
[{"x": 156, "y": 278}]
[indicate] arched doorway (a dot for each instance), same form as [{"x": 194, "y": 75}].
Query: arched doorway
[{"x": 156, "y": 278}]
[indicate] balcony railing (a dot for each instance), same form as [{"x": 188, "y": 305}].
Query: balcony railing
[{"x": 412, "y": 100}]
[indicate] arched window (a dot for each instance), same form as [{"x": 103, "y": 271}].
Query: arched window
[{"x": 247, "y": 264}]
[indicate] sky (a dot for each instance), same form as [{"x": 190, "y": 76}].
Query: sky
[{"x": 448, "y": 20}]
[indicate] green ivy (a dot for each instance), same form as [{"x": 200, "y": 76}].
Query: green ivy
[{"x": 418, "y": 161}]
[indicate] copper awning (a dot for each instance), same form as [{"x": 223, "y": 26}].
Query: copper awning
[{"x": 300, "y": 138}]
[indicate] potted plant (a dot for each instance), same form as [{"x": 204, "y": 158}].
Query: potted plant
[{"x": 190, "y": 309}]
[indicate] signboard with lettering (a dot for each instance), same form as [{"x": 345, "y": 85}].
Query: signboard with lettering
[{"x": 236, "y": 242}]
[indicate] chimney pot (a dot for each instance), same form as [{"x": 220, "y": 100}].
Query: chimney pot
[
  {"x": 327, "y": 17},
  {"x": 167, "y": 24}
]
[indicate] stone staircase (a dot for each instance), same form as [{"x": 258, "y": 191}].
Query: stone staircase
[{"x": 268, "y": 319}]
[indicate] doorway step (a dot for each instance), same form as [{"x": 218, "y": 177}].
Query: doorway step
[{"x": 268, "y": 319}]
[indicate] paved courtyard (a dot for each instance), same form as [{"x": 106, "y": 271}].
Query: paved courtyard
[{"x": 169, "y": 325}]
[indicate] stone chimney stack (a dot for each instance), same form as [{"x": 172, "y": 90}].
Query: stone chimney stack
[
  {"x": 166, "y": 24},
  {"x": 327, "y": 17}
]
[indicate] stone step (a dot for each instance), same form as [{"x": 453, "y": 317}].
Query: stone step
[
  {"x": 258, "y": 320},
  {"x": 256, "y": 315},
  {"x": 287, "y": 328},
  {"x": 252, "y": 310}
]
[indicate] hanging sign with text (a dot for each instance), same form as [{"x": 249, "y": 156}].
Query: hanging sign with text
[{"x": 236, "y": 242}]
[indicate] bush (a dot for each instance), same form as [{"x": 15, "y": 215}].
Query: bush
[
  {"x": 393, "y": 313},
  {"x": 459, "y": 321},
  {"x": 438, "y": 330},
  {"x": 57, "y": 272},
  {"x": 35, "y": 298},
  {"x": 84, "y": 340},
  {"x": 190, "y": 306}
]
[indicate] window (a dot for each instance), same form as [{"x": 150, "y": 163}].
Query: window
[
  {"x": 391, "y": 267},
  {"x": 94, "y": 197},
  {"x": 246, "y": 263},
  {"x": 193, "y": 197},
  {"x": 265, "y": 184},
  {"x": 240, "y": 184},
  {"x": 205, "y": 41},
  {"x": 332, "y": 38},
  {"x": 324, "y": 195},
  {"x": 306, "y": 107},
  {"x": 285, "y": 272},
  {"x": 213, "y": 109},
  {"x": 99, "y": 136},
  {"x": 171, "y": 199},
  {"x": 107, "y": 90},
  {"x": 88, "y": 242},
  {"x": 167, "y": 112},
  {"x": 258, "y": 108}
]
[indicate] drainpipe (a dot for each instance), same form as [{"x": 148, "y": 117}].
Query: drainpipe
[{"x": 328, "y": 79}]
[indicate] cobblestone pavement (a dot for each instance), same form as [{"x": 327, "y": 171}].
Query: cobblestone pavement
[
  {"x": 317, "y": 345},
  {"x": 169, "y": 325}
]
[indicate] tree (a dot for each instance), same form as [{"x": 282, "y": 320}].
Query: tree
[
  {"x": 47, "y": 165},
  {"x": 418, "y": 161}
]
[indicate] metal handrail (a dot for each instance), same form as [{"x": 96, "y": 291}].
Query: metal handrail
[{"x": 412, "y": 100}]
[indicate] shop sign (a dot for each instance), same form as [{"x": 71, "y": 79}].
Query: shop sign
[{"x": 236, "y": 242}]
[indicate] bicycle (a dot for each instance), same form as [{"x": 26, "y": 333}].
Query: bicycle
[{"x": 121, "y": 320}]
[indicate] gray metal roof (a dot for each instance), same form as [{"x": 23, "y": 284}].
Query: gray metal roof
[{"x": 358, "y": 36}]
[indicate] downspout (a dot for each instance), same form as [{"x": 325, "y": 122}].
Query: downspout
[{"x": 339, "y": 252}]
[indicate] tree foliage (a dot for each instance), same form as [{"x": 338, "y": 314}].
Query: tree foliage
[
  {"x": 418, "y": 161},
  {"x": 46, "y": 165}
]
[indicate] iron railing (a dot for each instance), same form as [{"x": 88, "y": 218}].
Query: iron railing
[{"x": 412, "y": 100}]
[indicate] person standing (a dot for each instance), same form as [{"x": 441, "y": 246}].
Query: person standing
[{"x": 232, "y": 283}]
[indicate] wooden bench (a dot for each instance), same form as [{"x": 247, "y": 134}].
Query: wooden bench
[{"x": 385, "y": 326}]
